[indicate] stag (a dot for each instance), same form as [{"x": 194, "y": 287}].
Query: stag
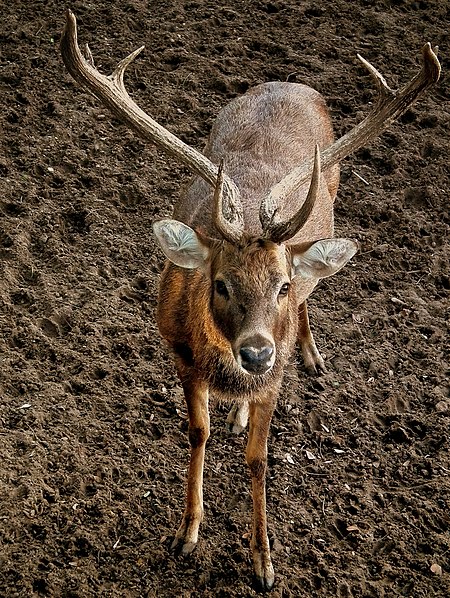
[{"x": 247, "y": 244}]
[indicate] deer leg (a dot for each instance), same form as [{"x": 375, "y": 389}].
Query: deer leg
[
  {"x": 314, "y": 363},
  {"x": 256, "y": 456},
  {"x": 238, "y": 417},
  {"x": 196, "y": 395}
]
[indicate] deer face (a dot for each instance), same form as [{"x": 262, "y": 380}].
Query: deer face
[
  {"x": 256, "y": 286},
  {"x": 251, "y": 301}
]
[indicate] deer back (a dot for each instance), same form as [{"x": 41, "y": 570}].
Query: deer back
[{"x": 262, "y": 136}]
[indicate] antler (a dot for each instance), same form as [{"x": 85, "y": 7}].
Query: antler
[
  {"x": 228, "y": 229},
  {"x": 279, "y": 232},
  {"x": 390, "y": 106},
  {"x": 111, "y": 91}
]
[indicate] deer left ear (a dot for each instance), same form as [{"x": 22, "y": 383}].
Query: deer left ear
[
  {"x": 323, "y": 258},
  {"x": 181, "y": 244}
]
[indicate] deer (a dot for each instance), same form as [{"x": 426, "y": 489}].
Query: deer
[{"x": 248, "y": 241}]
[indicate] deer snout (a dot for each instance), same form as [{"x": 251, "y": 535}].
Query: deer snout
[{"x": 256, "y": 355}]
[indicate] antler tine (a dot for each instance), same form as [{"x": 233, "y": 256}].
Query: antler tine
[
  {"x": 120, "y": 69},
  {"x": 389, "y": 107},
  {"x": 383, "y": 88},
  {"x": 283, "y": 231},
  {"x": 112, "y": 93},
  {"x": 231, "y": 230}
]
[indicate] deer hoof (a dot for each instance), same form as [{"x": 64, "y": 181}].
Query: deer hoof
[
  {"x": 263, "y": 568},
  {"x": 234, "y": 428},
  {"x": 312, "y": 359},
  {"x": 237, "y": 418},
  {"x": 182, "y": 548},
  {"x": 264, "y": 584},
  {"x": 316, "y": 369},
  {"x": 314, "y": 363}
]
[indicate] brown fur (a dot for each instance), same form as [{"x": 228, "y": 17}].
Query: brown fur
[
  {"x": 263, "y": 135},
  {"x": 185, "y": 318}
]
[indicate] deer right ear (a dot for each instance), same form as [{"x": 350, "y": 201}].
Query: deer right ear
[
  {"x": 323, "y": 258},
  {"x": 180, "y": 244}
]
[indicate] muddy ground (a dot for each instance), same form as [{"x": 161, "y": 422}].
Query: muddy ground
[{"x": 93, "y": 447}]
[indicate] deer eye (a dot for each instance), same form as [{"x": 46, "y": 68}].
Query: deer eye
[
  {"x": 284, "y": 290},
  {"x": 221, "y": 288}
]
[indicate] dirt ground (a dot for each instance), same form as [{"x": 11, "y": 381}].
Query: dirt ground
[{"x": 93, "y": 447}]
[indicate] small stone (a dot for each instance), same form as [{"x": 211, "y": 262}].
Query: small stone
[
  {"x": 277, "y": 545},
  {"x": 436, "y": 569},
  {"x": 443, "y": 406}
]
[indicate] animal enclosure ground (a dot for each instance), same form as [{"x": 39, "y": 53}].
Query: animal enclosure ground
[{"x": 93, "y": 447}]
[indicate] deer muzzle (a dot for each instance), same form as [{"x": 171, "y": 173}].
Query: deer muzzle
[{"x": 256, "y": 355}]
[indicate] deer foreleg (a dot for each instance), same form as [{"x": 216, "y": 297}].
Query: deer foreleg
[
  {"x": 312, "y": 359},
  {"x": 260, "y": 416},
  {"x": 196, "y": 395}
]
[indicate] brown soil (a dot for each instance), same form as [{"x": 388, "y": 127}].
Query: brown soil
[{"x": 93, "y": 447}]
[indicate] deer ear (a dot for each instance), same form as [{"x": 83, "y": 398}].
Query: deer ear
[
  {"x": 180, "y": 244},
  {"x": 323, "y": 258}
]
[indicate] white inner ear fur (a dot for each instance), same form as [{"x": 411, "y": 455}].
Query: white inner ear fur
[
  {"x": 180, "y": 244},
  {"x": 324, "y": 258}
]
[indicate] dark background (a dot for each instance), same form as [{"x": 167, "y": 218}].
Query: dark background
[{"x": 93, "y": 447}]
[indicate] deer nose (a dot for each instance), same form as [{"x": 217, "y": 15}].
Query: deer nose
[{"x": 256, "y": 355}]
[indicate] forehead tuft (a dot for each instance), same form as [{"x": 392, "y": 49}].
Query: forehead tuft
[{"x": 259, "y": 260}]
